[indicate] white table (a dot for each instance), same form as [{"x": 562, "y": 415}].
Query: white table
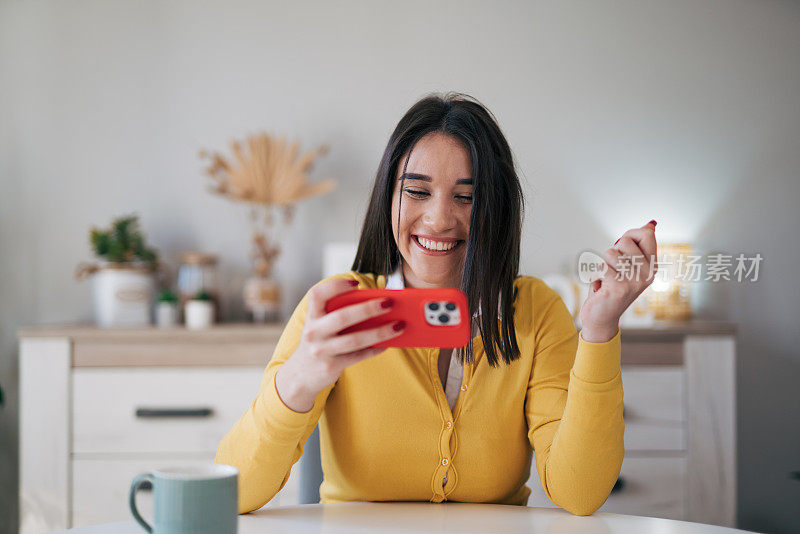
[{"x": 458, "y": 518}]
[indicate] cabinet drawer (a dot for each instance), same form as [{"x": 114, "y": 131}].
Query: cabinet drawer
[
  {"x": 651, "y": 487},
  {"x": 654, "y": 408},
  {"x": 134, "y": 410},
  {"x": 100, "y": 488}
]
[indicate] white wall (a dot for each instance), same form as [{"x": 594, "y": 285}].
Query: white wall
[{"x": 618, "y": 112}]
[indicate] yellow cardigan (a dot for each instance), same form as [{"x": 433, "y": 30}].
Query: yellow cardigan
[{"x": 387, "y": 432}]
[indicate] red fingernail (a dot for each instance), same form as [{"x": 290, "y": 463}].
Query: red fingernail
[
  {"x": 653, "y": 222},
  {"x": 353, "y": 283},
  {"x": 388, "y": 303},
  {"x": 617, "y": 241},
  {"x": 399, "y": 326}
]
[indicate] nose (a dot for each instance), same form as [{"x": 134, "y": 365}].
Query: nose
[{"x": 440, "y": 214}]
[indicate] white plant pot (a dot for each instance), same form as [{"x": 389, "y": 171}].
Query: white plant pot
[
  {"x": 199, "y": 314},
  {"x": 166, "y": 314},
  {"x": 122, "y": 297}
]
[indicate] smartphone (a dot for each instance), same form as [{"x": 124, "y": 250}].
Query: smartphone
[{"x": 436, "y": 317}]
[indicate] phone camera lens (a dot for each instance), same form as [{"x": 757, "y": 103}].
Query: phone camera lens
[
  {"x": 443, "y": 318},
  {"x": 450, "y": 306},
  {"x": 433, "y": 306}
]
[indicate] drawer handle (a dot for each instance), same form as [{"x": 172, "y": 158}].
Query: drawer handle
[
  {"x": 173, "y": 412},
  {"x": 618, "y": 485}
]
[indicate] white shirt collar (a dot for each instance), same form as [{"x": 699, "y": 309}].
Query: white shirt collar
[{"x": 395, "y": 281}]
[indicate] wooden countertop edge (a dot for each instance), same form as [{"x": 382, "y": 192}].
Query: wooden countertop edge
[
  {"x": 698, "y": 328},
  {"x": 243, "y": 332},
  {"x": 248, "y": 344},
  {"x": 224, "y": 332}
]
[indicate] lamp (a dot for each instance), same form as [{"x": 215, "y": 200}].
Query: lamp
[{"x": 669, "y": 296}]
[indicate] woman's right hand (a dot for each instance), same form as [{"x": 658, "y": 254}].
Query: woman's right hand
[{"x": 323, "y": 353}]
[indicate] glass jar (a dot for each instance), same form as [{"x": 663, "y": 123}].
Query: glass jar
[{"x": 198, "y": 272}]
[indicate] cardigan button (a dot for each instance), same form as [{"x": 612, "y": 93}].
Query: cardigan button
[
  {"x": 463, "y": 388},
  {"x": 448, "y": 424},
  {"x": 444, "y": 461}
]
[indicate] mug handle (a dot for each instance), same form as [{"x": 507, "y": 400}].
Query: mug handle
[{"x": 135, "y": 485}]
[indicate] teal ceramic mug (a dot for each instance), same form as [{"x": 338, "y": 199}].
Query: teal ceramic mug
[{"x": 196, "y": 500}]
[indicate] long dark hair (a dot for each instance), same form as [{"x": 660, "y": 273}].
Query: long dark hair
[{"x": 492, "y": 259}]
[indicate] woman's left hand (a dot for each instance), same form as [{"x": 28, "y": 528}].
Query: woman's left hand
[{"x": 631, "y": 267}]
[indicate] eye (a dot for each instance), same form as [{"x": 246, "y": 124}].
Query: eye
[
  {"x": 417, "y": 193},
  {"x": 465, "y": 198}
]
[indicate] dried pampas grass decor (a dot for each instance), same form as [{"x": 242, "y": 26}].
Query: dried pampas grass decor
[
  {"x": 266, "y": 170},
  {"x": 269, "y": 174}
]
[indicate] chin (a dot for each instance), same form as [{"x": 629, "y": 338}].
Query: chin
[{"x": 434, "y": 277}]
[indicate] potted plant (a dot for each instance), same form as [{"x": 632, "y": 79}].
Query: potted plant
[
  {"x": 167, "y": 309},
  {"x": 123, "y": 279},
  {"x": 199, "y": 311}
]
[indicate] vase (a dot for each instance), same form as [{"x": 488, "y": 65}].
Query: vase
[{"x": 262, "y": 297}]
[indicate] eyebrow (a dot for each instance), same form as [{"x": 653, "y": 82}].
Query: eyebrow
[{"x": 426, "y": 178}]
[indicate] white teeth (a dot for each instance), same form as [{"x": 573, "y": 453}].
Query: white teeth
[{"x": 435, "y": 245}]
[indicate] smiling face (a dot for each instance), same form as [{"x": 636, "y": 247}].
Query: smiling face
[{"x": 434, "y": 219}]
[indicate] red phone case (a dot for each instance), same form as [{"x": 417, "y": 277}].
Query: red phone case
[{"x": 425, "y": 326}]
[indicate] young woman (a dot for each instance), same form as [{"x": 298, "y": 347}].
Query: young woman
[{"x": 428, "y": 424}]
